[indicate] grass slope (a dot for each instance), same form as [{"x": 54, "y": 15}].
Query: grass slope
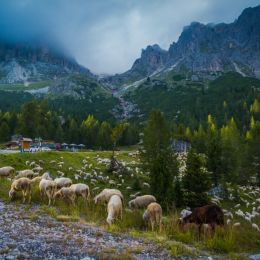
[{"x": 232, "y": 241}]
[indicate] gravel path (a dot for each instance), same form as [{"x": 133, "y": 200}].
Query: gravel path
[{"x": 23, "y": 236}]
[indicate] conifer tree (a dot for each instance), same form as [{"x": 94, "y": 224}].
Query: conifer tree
[
  {"x": 196, "y": 181},
  {"x": 213, "y": 152},
  {"x": 159, "y": 158}
]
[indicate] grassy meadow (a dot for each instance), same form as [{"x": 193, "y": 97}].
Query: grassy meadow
[{"x": 90, "y": 168}]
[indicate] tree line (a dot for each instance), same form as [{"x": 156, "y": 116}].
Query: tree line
[
  {"x": 219, "y": 155},
  {"x": 35, "y": 119}
]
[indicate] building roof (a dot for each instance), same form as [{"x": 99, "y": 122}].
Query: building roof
[{"x": 26, "y": 140}]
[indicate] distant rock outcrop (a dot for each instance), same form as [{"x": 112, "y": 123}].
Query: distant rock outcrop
[
  {"x": 20, "y": 63},
  {"x": 204, "y": 50}
]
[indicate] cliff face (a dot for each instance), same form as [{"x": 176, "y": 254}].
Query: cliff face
[
  {"x": 21, "y": 62},
  {"x": 204, "y": 50}
]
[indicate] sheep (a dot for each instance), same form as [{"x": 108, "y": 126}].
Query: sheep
[
  {"x": 63, "y": 182},
  {"x": 32, "y": 164},
  {"x": 6, "y": 171},
  {"x": 25, "y": 173},
  {"x": 81, "y": 189},
  {"x": 48, "y": 188},
  {"x": 184, "y": 213},
  {"x": 105, "y": 195},
  {"x": 209, "y": 214},
  {"x": 153, "y": 215},
  {"x": 37, "y": 169},
  {"x": 237, "y": 224},
  {"x": 255, "y": 226},
  {"x": 24, "y": 185},
  {"x": 114, "y": 208},
  {"x": 147, "y": 185},
  {"x": 141, "y": 201},
  {"x": 66, "y": 193}
]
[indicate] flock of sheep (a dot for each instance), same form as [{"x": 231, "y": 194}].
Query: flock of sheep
[{"x": 63, "y": 188}]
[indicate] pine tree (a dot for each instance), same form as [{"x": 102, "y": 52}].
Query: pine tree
[
  {"x": 196, "y": 181},
  {"x": 104, "y": 136},
  {"x": 89, "y": 131},
  {"x": 159, "y": 159},
  {"x": 231, "y": 145},
  {"x": 213, "y": 152},
  {"x": 4, "y": 132}
]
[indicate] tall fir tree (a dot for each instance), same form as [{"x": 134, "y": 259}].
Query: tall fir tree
[
  {"x": 213, "y": 152},
  {"x": 159, "y": 158},
  {"x": 196, "y": 181}
]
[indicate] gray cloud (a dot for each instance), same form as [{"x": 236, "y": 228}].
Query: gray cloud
[{"x": 107, "y": 36}]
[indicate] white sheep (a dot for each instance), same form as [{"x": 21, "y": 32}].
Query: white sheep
[
  {"x": 114, "y": 209},
  {"x": 26, "y": 173},
  {"x": 24, "y": 185},
  {"x": 153, "y": 215},
  {"x": 63, "y": 182},
  {"x": 48, "y": 188},
  {"x": 237, "y": 224},
  {"x": 145, "y": 184},
  {"x": 66, "y": 193},
  {"x": 105, "y": 195},
  {"x": 184, "y": 213},
  {"x": 81, "y": 189},
  {"x": 255, "y": 226},
  {"x": 6, "y": 171},
  {"x": 141, "y": 201},
  {"x": 37, "y": 169}
]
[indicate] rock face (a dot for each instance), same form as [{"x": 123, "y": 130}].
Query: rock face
[
  {"x": 152, "y": 59},
  {"x": 20, "y": 63},
  {"x": 204, "y": 50}
]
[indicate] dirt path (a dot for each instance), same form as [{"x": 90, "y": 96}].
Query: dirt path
[{"x": 23, "y": 236}]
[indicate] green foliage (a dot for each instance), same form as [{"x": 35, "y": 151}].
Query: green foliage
[
  {"x": 159, "y": 158},
  {"x": 196, "y": 181},
  {"x": 4, "y": 132}
]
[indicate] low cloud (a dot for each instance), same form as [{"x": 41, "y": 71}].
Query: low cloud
[{"x": 107, "y": 36}]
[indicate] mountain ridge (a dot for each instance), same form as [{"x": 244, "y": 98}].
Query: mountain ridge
[{"x": 203, "y": 50}]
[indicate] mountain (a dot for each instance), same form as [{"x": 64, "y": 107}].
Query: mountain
[
  {"x": 203, "y": 51},
  {"x": 20, "y": 63},
  {"x": 152, "y": 59},
  {"x": 29, "y": 71}
]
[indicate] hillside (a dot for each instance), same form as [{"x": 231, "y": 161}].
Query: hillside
[
  {"x": 90, "y": 168},
  {"x": 203, "y": 51},
  {"x": 188, "y": 102}
]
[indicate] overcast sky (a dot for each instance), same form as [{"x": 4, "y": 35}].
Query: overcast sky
[{"x": 107, "y": 35}]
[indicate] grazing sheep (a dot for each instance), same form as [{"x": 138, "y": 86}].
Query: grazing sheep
[
  {"x": 48, "y": 188},
  {"x": 26, "y": 173},
  {"x": 105, "y": 195},
  {"x": 255, "y": 226},
  {"x": 32, "y": 164},
  {"x": 37, "y": 169},
  {"x": 228, "y": 221},
  {"x": 237, "y": 224},
  {"x": 145, "y": 184},
  {"x": 184, "y": 213},
  {"x": 66, "y": 193},
  {"x": 82, "y": 190},
  {"x": 47, "y": 176},
  {"x": 141, "y": 201},
  {"x": 153, "y": 215},
  {"x": 6, "y": 171},
  {"x": 114, "y": 208},
  {"x": 63, "y": 182},
  {"x": 209, "y": 214},
  {"x": 24, "y": 185}
]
